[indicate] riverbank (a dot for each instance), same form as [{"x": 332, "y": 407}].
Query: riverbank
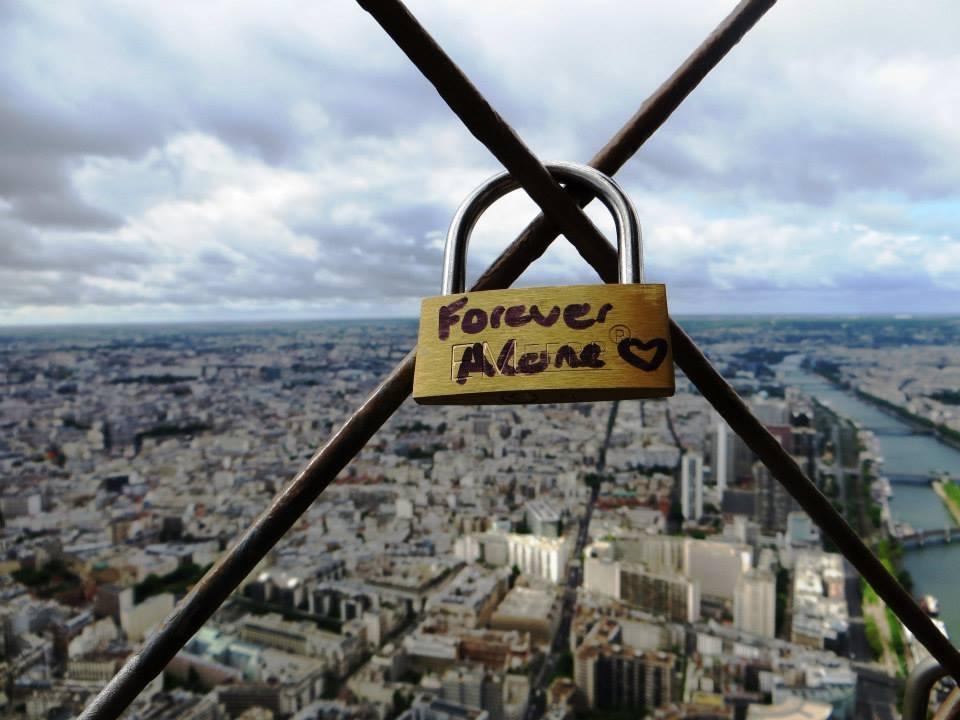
[
  {"x": 946, "y": 435},
  {"x": 902, "y": 452},
  {"x": 950, "y": 503}
]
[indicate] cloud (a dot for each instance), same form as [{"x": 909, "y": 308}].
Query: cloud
[{"x": 233, "y": 160}]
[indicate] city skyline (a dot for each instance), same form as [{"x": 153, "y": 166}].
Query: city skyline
[
  {"x": 524, "y": 562},
  {"x": 234, "y": 164},
  {"x": 268, "y": 320},
  {"x": 217, "y": 223}
]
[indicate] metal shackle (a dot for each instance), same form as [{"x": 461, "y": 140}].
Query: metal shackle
[{"x": 629, "y": 248}]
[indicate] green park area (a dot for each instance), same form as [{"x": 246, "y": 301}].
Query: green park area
[{"x": 176, "y": 582}]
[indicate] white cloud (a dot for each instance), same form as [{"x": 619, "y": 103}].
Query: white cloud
[{"x": 241, "y": 160}]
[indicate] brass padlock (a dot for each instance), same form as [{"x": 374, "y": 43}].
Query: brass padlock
[{"x": 547, "y": 344}]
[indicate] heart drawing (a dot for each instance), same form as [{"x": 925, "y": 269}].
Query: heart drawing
[{"x": 629, "y": 348}]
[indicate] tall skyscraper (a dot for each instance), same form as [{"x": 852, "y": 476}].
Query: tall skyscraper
[
  {"x": 722, "y": 454},
  {"x": 774, "y": 503},
  {"x": 691, "y": 486}
]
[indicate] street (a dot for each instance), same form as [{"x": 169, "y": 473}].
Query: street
[{"x": 561, "y": 638}]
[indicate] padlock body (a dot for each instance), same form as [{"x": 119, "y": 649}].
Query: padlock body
[{"x": 570, "y": 343}]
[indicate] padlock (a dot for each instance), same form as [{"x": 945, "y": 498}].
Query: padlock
[{"x": 547, "y": 344}]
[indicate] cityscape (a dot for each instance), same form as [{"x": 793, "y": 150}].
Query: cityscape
[
  {"x": 239, "y": 481},
  {"x": 627, "y": 559}
]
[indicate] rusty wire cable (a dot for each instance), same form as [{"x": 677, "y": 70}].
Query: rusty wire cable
[{"x": 191, "y": 613}]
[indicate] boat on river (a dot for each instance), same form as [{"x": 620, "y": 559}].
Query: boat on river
[{"x": 930, "y": 605}]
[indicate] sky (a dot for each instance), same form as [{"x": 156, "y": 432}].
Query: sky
[{"x": 245, "y": 160}]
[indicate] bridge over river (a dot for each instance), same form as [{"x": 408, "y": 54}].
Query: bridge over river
[
  {"x": 918, "y": 479},
  {"x": 918, "y": 539},
  {"x": 903, "y": 431}
]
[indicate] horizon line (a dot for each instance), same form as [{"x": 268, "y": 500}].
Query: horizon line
[{"x": 412, "y": 318}]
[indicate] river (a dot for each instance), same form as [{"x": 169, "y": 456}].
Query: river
[{"x": 931, "y": 568}]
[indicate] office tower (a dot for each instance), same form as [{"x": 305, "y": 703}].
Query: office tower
[
  {"x": 691, "y": 486},
  {"x": 722, "y": 454},
  {"x": 773, "y": 502}
]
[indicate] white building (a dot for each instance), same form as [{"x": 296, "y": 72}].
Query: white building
[
  {"x": 722, "y": 454},
  {"x": 528, "y": 610},
  {"x": 138, "y": 620},
  {"x": 601, "y": 572},
  {"x": 672, "y": 594},
  {"x": 790, "y": 708},
  {"x": 717, "y": 566},
  {"x": 801, "y": 530},
  {"x": 770, "y": 411},
  {"x": 539, "y": 556},
  {"x": 404, "y": 508},
  {"x": 543, "y": 518},
  {"x": 820, "y": 614},
  {"x": 488, "y": 548},
  {"x": 691, "y": 486},
  {"x": 544, "y": 557},
  {"x": 92, "y": 637},
  {"x": 20, "y": 505},
  {"x": 661, "y": 554},
  {"x": 755, "y": 603}
]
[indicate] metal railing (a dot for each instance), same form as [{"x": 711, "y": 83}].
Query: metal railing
[
  {"x": 916, "y": 693},
  {"x": 562, "y": 212}
]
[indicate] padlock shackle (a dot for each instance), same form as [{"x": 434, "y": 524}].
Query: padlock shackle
[{"x": 629, "y": 248}]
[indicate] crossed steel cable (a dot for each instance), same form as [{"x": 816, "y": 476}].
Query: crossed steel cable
[{"x": 562, "y": 212}]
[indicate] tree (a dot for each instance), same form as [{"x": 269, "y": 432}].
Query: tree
[
  {"x": 401, "y": 703},
  {"x": 411, "y": 676},
  {"x": 593, "y": 480},
  {"x": 331, "y": 685},
  {"x": 151, "y": 585},
  {"x": 873, "y": 636},
  {"x": 564, "y": 665},
  {"x": 782, "y": 589},
  {"x": 674, "y": 517}
]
